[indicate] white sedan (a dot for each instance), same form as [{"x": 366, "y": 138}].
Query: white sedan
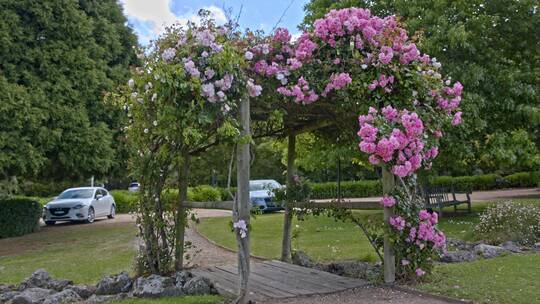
[{"x": 80, "y": 204}]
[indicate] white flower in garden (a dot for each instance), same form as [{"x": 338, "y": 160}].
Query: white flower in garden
[
  {"x": 145, "y": 131},
  {"x": 221, "y": 95},
  {"x": 204, "y": 54},
  {"x": 284, "y": 81},
  {"x": 154, "y": 97},
  {"x": 225, "y": 108},
  {"x": 364, "y": 66},
  {"x": 447, "y": 82},
  {"x": 253, "y": 89},
  {"x": 134, "y": 95},
  {"x": 208, "y": 90},
  {"x": 248, "y": 55},
  {"x": 280, "y": 76},
  {"x": 131, "y": 83},
  {"x": 241, "y": 227},
  {"x": 155, "y": 123},
  {"x": 168, "y": 54}
]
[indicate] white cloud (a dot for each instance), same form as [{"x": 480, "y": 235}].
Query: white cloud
[{"x": 159, "y": 13}]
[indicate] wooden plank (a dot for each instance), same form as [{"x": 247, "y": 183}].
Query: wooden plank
[
  {"x": 231, "y": 281},
  {"x": 325, "y": 276},
  {"x": 263, "y": 286},
  {"x": 313, "y": 285},
  {"x": 282, "y": 283},
  {"x": 224, "y": 287}
]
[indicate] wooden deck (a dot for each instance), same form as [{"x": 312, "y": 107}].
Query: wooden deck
[{"x": 275, "y": 279}]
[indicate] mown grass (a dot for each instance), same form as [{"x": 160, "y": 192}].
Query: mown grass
[
  {"x": 78, "y": 252},
  {"x": 508, "y": 279}
]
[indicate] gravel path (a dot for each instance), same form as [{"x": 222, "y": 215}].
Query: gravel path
[{"x": 368, "y": 295}]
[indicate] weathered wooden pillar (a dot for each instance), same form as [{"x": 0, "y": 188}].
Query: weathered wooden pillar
[
  {"x": 287, "y": 223},
  {"x": 388, "y": 184},
  {"x": 181, "y": 216},
  {"x": 242, "y": 203}
]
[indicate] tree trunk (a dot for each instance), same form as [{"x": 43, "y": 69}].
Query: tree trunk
[
  {"x": 180, "y": 220},
  {"x": 242, "y": 203},
  {"x": 287, "y": 223},
  {"x": 388, "y": 183}
]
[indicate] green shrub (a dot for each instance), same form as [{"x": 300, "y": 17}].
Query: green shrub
[
  {"x": 205, "y": 193},
  {"x": 523, "y": 179},
  {"x": 348, "y": 189},
  {"x": 44, "y": 189},
  {"x": 469, "y": 183},
  {"x": 125, "y": 201},
  {"x": 19, "y": 216},
  {"x": 510, "y": 221}
]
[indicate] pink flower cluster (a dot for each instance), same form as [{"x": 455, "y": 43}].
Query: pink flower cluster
[
  {"x": 337, "y": 81},
  {"x": 301, "y": 91},
  {"x": 388, "y": 201},
  {"x": 397, "y": 222},
  {"x": 383, "y": 82},
  {"x": 403, "y": 146},
  {"x": 426, "y": 232}
]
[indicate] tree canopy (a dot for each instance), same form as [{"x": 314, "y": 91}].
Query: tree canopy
[{"x": 57, "y": 59}]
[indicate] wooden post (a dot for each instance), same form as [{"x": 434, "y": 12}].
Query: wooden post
[
  {"x": 181, "y": 216},
  {"x": 287, "y": 223},
  {"x": 388, "y": 184},
  {"x": 242, "y": 203}
]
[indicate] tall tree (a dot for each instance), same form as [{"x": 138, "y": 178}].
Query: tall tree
[
  {"x": 59, "y": 58},
  {"x": 493, "y": 48}
]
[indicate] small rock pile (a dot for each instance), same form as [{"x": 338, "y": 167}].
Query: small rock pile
[
  {"x": 352, "y": 269},
  {"x": 468, "y": 252},
  {"x": 40, "y": 288}
]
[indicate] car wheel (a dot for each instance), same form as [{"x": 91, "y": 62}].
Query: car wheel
[
  {"x": 50, "y": 223},
  {"x": 113, "y": 212},
  {"x": 91, "y": 215}
]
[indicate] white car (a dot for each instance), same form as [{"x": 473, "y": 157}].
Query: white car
[
  {"x": 134, "y": 187},
  {"x": 261, "y": 194},
  {"x": 80, "y": 204}
]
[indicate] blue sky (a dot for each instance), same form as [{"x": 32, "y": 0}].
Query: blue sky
[{"x": 148, "y": 17}]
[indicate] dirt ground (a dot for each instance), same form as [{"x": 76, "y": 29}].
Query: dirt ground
[{"x": 367, "y": 295}]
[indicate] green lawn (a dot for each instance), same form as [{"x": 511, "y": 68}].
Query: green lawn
[
  {"x": 508, "y": 279},
  {"x": 82, "y": 253}
]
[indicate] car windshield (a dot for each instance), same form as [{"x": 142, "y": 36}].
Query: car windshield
[
  {"x": 134, "y": 185},
  {"x": 263, "y": 185},
  {"x": 79, "y": 193}
]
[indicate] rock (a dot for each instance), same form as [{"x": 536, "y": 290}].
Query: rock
[
  {"x": 65, "y": 296},
  {"x": 155, "y": 286},
  {"x": 32, "y": 295},
  {"x": 181, "y": 277},
  {"x": 114, "y": 284},
  {"x": 59, "y": 285},
  {"x": 459, "y": 244},
  {"x": 5, "y": 288},
  {"x": 40, "y": 278},
  {"x": 511, "y": 246},
  {"x": 458, "y": 256},
  {"x": 198, "y": 286},
  {"x": 84, "y": 291},
  {"x": 7, "y": 295},
  {"x": 488, "y": 251},
  {"x": 301, "y": 258},
  {"x": 96, "y": 299},
  {"x": 353, "y": 269}
]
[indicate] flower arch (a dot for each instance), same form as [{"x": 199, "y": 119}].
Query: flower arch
[{"x": 192, "y": 91}]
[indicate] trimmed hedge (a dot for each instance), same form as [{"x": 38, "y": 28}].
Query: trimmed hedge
[
  {"x": 348, "y": 189},
  {"x": 19, "y": 216},
  {"x": 524, "y": 179},
  {"x": 470, "y": 183}
]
